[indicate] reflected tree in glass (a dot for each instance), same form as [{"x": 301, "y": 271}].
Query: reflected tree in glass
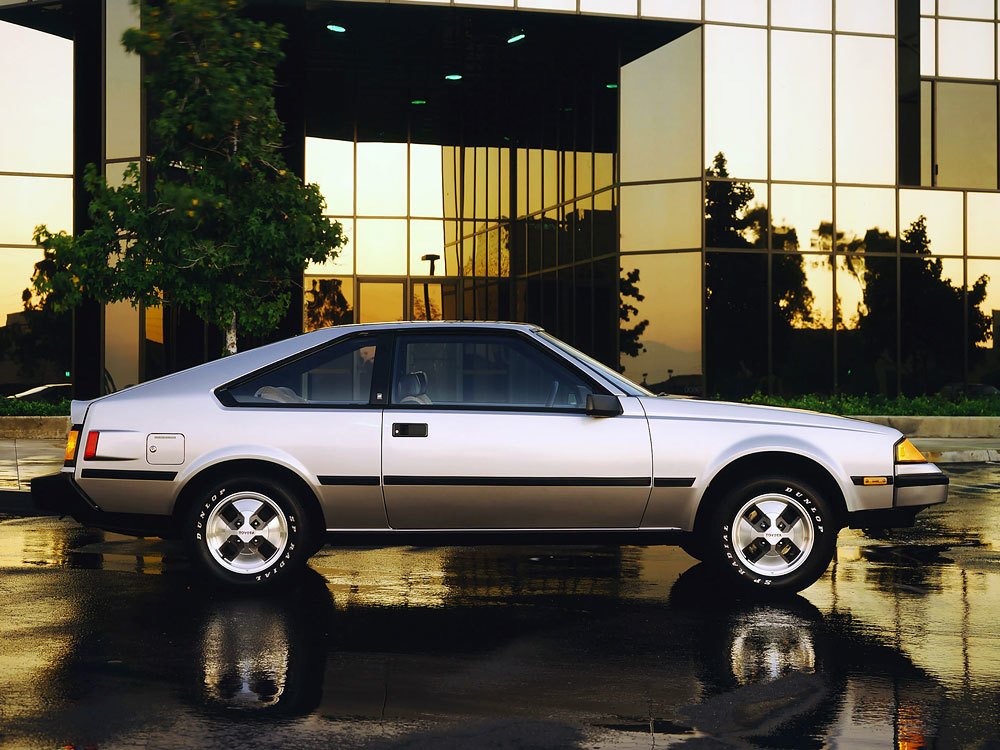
[
  {"x": 326, "y": 304},
  {"x": 630, "y": 330}
]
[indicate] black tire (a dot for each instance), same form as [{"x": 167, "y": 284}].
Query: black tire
[
  {"x": 805, "y": 504},
  {"x": 288, "y": 557}
]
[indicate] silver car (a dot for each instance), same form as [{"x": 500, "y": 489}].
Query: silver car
[{"x": 424, "y": 433}]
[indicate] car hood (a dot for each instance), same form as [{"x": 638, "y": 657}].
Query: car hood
[{"x": 660, "y": 407}]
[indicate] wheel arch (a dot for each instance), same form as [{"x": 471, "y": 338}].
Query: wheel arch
[
  {"x": 793, "y": 465},
  {"x": 247, "y": 466}
]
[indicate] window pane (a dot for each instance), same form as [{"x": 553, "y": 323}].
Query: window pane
[
  {"x": 615, "y": 7},
  {"x": 30, "y": 201},
  {"x": 802, "y": 14},
  {"x": 801, "y": 114},
  {"x": 16, "y": 268},
  {"x": 866, "y": 109},
  {"x": 872, "y": 16},
  {"x": 928, "y": 7},
  {"x": 661, "y": 217},
  {"x": 382, "y": 179},
  {"x": 660, "y": 337},
  {"x": 547, "y": 4},
  {"x": 328, "y": 302},
  {"x": 381, "y": 302},
  {"x": 121, "y": 346},
  {"x": 984, "y": 319},
  {"x": 330, "y": 164},
  {"x": 672, "y": 9},
  {"x": 931, "y": 306},
  {"x": 965, "y": 49},
  {"x": 381, "y": 246},
  {"x": 966, "y": 135},
  {"x": 928, "y": 43},
  {"x": 344, "y": 262},
  {"x": 926, "y": 134},
  {"x": 440, "y": 299},
  {"x": 482, "y": 370},
  {"x": 802, "y": 217},
  {"x": 930, "y": 221},
  {"x": 36, "y": 131},
  {"x": 661, "y": 112},
  {"x": 802, "y": 323},
  {"x": 339, "y": 374},
  {"x": 736, "y": 99},
  {"x": 735, "y": 214},
  {"x": 123, "y": 122},
  {"x": 737, "y": 11},
  {"x": 866, "y": 335},
  {"x": 966, "y": 8},
  {"x": 736, "y": 309},
  {"x": 866, "y": 220},
  {"x": 984, "y": 225},
  {"x": 427, "y": 241}
]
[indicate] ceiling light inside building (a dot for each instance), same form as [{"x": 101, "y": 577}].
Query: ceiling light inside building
[
  {"x": 418, "y": 102},
  {"x": 453, "y": 77},
  {"x": 336, "y": 28},
  {"x": 516, "y": 37}
]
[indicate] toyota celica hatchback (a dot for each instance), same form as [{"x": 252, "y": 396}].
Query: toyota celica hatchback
[{"x": 431, "y": 433}]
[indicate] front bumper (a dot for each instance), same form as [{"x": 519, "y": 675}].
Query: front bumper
[
  {"x": 58, "y": 493},
  {"x": 911, "y": 493}
]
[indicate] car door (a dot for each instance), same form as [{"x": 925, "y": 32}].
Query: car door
[{"x": 487, "y": 429}]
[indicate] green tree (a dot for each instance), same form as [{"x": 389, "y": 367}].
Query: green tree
[{"x": 214, "y": 221}]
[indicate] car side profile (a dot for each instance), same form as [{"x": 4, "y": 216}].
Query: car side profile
[{"x": 427, "y": 433}]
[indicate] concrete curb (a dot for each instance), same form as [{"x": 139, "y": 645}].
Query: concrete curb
[
  {"x": 940, "y": 427},
  {"x": 27, "y": 428}
]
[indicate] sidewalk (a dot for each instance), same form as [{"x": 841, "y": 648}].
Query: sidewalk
[{"x": 20, "y": 460}]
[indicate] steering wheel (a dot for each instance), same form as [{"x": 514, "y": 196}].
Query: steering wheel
[{"x": 552, "y": 396}]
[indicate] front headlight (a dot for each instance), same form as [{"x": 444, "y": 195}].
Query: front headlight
[{"x": 908, "y": 453}]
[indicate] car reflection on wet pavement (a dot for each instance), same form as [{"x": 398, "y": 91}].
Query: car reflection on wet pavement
[{"x": 106, "y": 641}]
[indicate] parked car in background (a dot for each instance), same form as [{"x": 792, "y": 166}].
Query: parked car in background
[{"x": 431, "y": 433}]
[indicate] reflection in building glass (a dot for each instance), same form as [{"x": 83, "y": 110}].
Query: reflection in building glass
[
  {"x": 736, "y": 98},
  {"x": 660, "y": 216},
  {"x": 671, "y": 9},
  {"x": 735, "y": 212},
  {"x": 870, "y": 16},
  {"x": 122, "y": 86},
  {"x": 660, "y": 332},
  {"x": 941, "y": 213},
  {"x": 866, "y": 339},
  {"x": 802, "y": 14},
  {"x": 984, "y": 289},
  {"x": 983, "y": 225},
  {"x": 928, "y": 47},
  {"x": 966, "y": 8},
  {"x": 330, "y": 164},
  {"x": 801, "y": 106},
  {"x": 803, "y": 217},
  {"x": 737, "y": 11},
  {"x": 866, "y": 220},
  {"x": 802, "y": 323},
  {"x": 381, "y": 179},
  {"x": 380, "y": 246},
  {"x": 30, "y": 201},
  {"x": 328, "y": 302},
  {"x": 736, "y": 309},
  {"x": 343, "y": 263}
]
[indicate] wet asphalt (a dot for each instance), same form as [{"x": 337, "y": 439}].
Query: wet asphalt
[{"x": 111, "y": 642}]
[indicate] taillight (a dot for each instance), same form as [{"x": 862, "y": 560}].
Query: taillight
[
  {"x": 91, "y": 450},
  {"x": 72, "y": 441}
]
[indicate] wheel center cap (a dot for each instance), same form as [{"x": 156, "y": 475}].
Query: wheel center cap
[{"x": 246, "y": 533}]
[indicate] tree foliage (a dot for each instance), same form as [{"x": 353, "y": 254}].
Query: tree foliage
[{"x": 213, "y": 221}]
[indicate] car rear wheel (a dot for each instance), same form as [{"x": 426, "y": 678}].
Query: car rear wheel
[
  {"x": 248, "y": 532},
  {"x": 773, "y": 534}
]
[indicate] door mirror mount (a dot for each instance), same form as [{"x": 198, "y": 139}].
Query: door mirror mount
[{"x": 600, "y": 405}]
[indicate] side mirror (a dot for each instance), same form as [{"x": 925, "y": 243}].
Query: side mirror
[{"x": 599, "y": 405}]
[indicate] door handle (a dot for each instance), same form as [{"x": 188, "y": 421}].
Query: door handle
[{"x": 409, "y": 429}]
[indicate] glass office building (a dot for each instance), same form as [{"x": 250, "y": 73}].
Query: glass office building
[{"x": 716, "y": 196}]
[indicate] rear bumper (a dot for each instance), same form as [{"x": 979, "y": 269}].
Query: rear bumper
[
  {"x": 911, "y": 494},
  {"x": 58, "y": 493}
]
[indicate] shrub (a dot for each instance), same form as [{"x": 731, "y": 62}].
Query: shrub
[{"x": 903, "y": 406}]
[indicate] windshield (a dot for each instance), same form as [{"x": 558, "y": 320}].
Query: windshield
[{"x": 624, "y": 383}]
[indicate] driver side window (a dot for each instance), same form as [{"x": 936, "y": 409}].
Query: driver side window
[{"x": 482, "y": 371}]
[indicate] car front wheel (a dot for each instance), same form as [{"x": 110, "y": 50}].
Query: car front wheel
[
  {"x": 775, "y": 534},
  {"x": 248, "y": 532}
]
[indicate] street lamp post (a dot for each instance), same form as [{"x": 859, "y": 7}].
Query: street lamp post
[{"x": 427, "y": 298}]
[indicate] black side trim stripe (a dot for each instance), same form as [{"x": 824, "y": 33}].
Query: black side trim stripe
[
  {"x": 156, "y": 476},
  {"x": 921, "y": 480},
  {"x": 673, "y": 482},
  {"x": 352, "y": 481},
  {"x": 860, "y": 481},
  {"x": 520, "y": 481}
]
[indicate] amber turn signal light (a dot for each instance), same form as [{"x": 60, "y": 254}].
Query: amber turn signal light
[
  {"x": 71, "y": 441},
  {"x": 907, "y": 453}
]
